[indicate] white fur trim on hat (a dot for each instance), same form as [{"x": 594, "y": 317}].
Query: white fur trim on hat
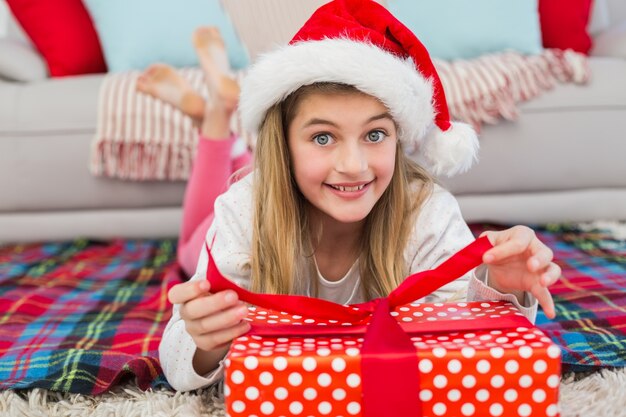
[{"x": 393, "y": 80}]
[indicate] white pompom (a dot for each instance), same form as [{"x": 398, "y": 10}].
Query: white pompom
[{"x": 448, "y": 153}]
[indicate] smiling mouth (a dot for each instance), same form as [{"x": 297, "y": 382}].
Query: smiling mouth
[{"x": 349, "y": 189}]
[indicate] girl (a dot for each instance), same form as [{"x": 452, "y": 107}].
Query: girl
[{"x": 335, "y": 208}]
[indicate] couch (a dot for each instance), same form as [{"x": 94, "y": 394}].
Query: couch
[{"x": 563, "y": 160}]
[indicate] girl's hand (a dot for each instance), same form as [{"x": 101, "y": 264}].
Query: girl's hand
[
  {"x": 519, "y": 262},
  {"x": 212, "y": 320}
]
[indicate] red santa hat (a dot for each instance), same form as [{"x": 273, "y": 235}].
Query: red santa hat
[{"x": 358, "y": 42}]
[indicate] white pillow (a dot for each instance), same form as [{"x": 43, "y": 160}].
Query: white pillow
[{"x": 20, "y": 62}]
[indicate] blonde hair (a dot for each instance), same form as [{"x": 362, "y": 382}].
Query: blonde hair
[{"x": 281, "y": 231}]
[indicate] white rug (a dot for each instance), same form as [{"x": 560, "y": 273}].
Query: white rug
[{"x": 599, "y": 394}]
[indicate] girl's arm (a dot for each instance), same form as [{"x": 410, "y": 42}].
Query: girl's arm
[
  {"x": 439, "y": 233},
  {"x": 183, "y": 363}
]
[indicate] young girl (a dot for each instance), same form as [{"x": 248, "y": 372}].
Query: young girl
[{"x": 335, "y": 208}]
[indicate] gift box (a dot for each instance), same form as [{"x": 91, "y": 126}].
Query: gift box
[
  {"x": 389, "y": 356},
  {"x": 512, "y": 371}
]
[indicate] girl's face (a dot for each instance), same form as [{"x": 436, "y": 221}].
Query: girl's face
[{"x": 343, "y": 150}]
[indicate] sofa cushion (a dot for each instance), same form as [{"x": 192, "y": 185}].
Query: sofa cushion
[
  {"x": 137, "y": 33},
  {"x": 570, "y": 138},
  {"x": 51, "y": 106},
  {"x": 20, "y": 62},
  {"x": 63, "y": 33},
  {"x": 458, "y": 29}
]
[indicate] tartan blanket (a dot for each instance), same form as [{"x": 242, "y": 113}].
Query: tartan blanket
[
  {"x": 81, "y": 316},
  {"x": 141, "y": 138},
  {"x": 590, "y": 297}
]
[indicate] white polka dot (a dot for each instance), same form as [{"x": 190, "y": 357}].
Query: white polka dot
[
  {"x": 540, "y": 366},
  {"x": 251, "y": 362},
  {"x": 482, "y": 395},
  {"x": 353, "y": 380},
  {"x": 468, "y": 409},
  {"x": 339, "y": 394},
  {"x": 497, "y": 352},
  {"x": 439, "y": 352},
  {"x": 294, "y": 352},
  {"x": 426, "y": 395},
  {"x": 454, "y": 366},
  {"x": 425, "y": 366},
  {"x": 468, "y": 352},
  {"x": 252, "y": 393},
  {"x": 239, "y": 406},
  {"x": 539, "y": 395},
  {"x": 324, "y": 380},
  {"x": 267, "y": 408},
  {"x": 281, "y": 393},
  {"x": 439, "y": 409},
  {"x": 524, "y": 410},
  {"x": 280, "y": 363},
  {"x": 354, "y": 408},
  {"x": 266, "y": 378},
  {"x": 553, "y": 381},
  {"x": 525, "y": 352},
  {"x": 323, "y": 352},
  {"x": 525, "y": 381},
  {"x": 310, "y": 394},
  {"x": 338, "y": 364},
  {"x": 496, "y": 410},
  {"x": 352, "y": 352},
  {"x": 497, "y": 381},
  {"x": 552, "y": 410},
  {"x": 440, "y": 381},
  {"x": 554, "y": 352},
  {"x": 454, "y": 395},
  {"x": 324, "y": 407},
  {"x": 295, "y": 407},
  {"x": 483, "y": 366},
  {"x": 309, "y": 364},
  {"x": 469, "y": 381},
  {"x": 294, "y": 379},
  {"x": 226, "y": 389},
  {"x": 510, "y": 395},
  {"x": 237, "y": 377},
  {"x": 511, "y": 366}
]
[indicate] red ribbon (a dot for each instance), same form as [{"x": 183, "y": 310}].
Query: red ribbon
[{"x": 387, "y": 348}]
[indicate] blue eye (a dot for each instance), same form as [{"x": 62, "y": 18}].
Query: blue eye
[
  {"x": 376, "y": 136},
  {"x": 322, "y": 139}
]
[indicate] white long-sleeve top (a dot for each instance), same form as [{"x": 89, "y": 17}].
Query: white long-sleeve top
[{"x": 438, "y": 233}]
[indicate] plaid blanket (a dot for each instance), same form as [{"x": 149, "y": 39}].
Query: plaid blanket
[
  {"x": 590, "y": 298},
  {"x": 81, "y": 316}
]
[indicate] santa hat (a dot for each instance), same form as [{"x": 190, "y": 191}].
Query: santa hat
[{"x": 358, "y": 42}]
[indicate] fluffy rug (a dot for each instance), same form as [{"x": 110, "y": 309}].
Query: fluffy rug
[
  {"x": 591, "y": 327},
  {"x": 595, "y": 395}
]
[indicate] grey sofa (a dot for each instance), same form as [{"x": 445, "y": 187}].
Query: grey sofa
[{"x": 563, "y": 160}]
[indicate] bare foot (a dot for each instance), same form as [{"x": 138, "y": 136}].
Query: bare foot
[
  {"x": 163, "y": 82},
  {"x": 213, "y": 58}
]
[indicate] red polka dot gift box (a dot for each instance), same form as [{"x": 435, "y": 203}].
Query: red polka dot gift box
[{"x": 390, "y": 357}]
